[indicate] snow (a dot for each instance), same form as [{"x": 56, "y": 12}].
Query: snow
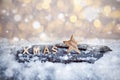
[
  {"x": 65, "y": 57},
  {"x": 106, "y": 68}
]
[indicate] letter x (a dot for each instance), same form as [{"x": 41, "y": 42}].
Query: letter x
[{"x": 26, "y": 50}]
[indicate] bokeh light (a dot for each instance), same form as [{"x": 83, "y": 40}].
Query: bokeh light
[{"x": 58, "y": 19}]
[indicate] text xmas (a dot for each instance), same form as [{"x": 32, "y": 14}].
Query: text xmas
[
  {"x": 37, "y": 50},
  {"x": 72, "y": 45}
]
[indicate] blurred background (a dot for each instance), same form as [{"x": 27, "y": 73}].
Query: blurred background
[{"x": 58, "y": 19}]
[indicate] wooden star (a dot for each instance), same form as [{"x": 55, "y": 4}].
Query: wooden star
[{"x": 72, "y": 44}]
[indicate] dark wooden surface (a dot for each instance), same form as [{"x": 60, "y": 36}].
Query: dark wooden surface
[{"x": 88, "y": 54}]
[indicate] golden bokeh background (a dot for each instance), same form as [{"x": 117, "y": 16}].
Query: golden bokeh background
[{"x": 58, "y": 19}]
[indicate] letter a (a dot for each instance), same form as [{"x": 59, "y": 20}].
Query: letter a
[{"x": 46, "y": 50}]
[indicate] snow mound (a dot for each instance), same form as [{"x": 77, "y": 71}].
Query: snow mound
[{"x": 106, "y": 68}]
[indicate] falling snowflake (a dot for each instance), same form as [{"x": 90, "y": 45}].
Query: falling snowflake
[{"x": 36, "y": 25}]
